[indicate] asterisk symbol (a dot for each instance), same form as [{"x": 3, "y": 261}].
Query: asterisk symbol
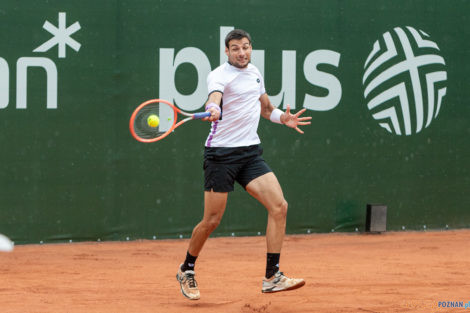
[{"x": 61, "y": 36}]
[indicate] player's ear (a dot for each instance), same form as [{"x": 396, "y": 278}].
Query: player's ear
[{"x": 226, "y": 51}]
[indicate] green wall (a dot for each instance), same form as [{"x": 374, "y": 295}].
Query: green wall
[{"x": 69, "y": 168}]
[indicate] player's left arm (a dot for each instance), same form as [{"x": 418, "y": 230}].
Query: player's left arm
[{"x": 268, "y": 111}]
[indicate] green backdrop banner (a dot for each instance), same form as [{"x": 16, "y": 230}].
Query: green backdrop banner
[{"x": 386, "y": 83}]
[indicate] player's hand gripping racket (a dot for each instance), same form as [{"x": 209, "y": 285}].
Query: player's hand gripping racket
[{"x": 155, "y": 119}]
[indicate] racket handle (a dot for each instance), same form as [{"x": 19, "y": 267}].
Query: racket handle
[{"x": 198, "y": 116}]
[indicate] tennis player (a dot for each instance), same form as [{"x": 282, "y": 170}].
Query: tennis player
[{"x": 237, "y": 98}]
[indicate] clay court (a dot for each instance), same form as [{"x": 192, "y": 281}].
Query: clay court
[{"x": 390, "y": 272}]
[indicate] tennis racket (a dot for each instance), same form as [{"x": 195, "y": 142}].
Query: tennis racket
[{"x": 155, "y": 119}]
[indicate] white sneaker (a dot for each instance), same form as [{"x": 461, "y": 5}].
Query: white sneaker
[
  {"x": 279, "y": 282},
  {"x": 188, "y": 284}
]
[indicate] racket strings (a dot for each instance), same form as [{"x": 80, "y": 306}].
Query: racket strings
[{"x": 141, "y": 124}]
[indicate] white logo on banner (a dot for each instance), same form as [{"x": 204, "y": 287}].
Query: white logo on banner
[
  {"x": 61, "y": 38},
  {"x": 170, "y": 60},
  {"x": 404, "y": 81}
]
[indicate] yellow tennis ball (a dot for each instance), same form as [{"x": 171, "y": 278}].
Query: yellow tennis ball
[{"x": 153, "y": 120}]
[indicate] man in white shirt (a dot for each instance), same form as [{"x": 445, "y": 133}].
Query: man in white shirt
[{"x": 237, "y": 98}]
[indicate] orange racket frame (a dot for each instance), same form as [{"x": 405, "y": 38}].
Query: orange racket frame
[{"x": 190, "y": 116}]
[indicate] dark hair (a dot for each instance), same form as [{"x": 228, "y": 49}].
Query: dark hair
[{"x": 237, "y": 34}]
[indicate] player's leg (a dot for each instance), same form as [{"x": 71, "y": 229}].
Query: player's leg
[
  {"x": 219, "y": 176},
  {"x": 214, "y": 207},
  {"x": 267, "y": 190}
]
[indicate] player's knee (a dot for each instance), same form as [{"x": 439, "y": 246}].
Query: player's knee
[
  {"x": 280, "y": 210},
  {"x": 212, "y": 223}
]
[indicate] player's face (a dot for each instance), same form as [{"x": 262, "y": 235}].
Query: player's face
[{"x": 239, "y": 52}]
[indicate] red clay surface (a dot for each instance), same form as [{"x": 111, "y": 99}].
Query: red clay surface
[{"x": 392, "y": 272}]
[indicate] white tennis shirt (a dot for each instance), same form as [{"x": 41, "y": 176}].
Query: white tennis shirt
[{"x": 241, "y": 107}]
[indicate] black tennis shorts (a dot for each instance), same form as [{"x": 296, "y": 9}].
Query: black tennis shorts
[{"x": 224, "y": 166}]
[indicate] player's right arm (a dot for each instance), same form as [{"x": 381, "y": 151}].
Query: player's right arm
[{"x": 213, "y": 106}]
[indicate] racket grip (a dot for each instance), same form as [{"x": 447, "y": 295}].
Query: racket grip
[{"x": 198, "y": 116}]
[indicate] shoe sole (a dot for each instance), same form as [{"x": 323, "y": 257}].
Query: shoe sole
[
  {"x": 290, "y": 288},
  {"x": 181, "y": 288}
]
